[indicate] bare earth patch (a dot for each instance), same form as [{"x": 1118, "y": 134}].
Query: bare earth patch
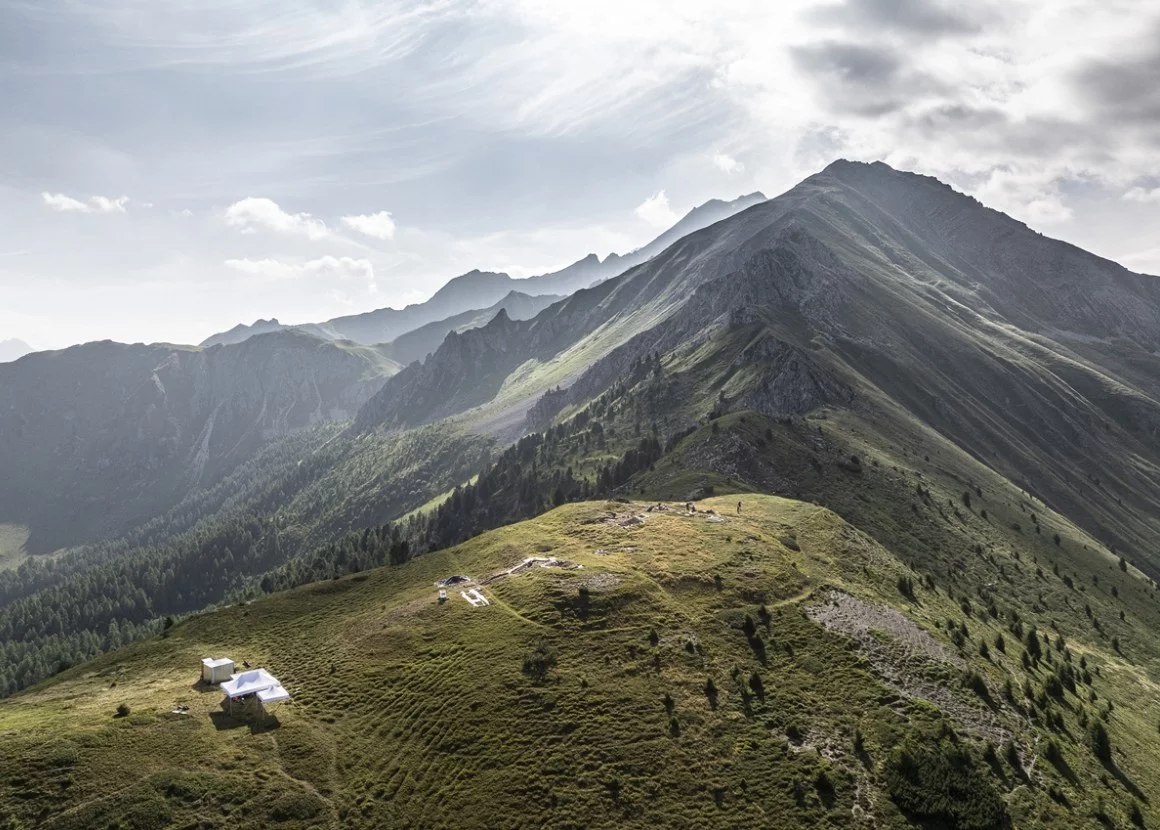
[
  {"x": 600, "y": 582},
  {"x": 898, "y": 650},
  {"x": 850, "y": 616}
]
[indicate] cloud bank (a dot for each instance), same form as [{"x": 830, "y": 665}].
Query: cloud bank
[
  {"x": 655, "y": 210},
  {"x": 326, "y": 268}
]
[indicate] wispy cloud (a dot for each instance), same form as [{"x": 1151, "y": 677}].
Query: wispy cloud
[
  {"x": 1032, "y": 196},
  {"x": 656, "y": 211},
  {"x": 95, "y": 204},
  {"x": 340, "y": 38},
  {"x": 325, "y": 268},
  {"x": 379, "y": 225},
  {"x": 254, "y": 213}
]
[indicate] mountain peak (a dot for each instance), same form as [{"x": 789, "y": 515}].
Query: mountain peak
[
  {"x": 717, "y": 204},
  {"x": 879, "y": 174},
  {"x": 842, "y": 164},
  {"x": 13, "y": 349},
  {"x": 727, "y": 205}
]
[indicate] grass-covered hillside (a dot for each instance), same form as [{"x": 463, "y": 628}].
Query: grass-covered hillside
[
  {"x": 715, "y": 669},
  {"x": 300, "y": 492}
]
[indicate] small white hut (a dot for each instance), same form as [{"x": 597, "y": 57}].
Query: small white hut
[{"x": 216, "y": 669}]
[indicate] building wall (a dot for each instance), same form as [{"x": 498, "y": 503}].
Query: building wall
[{"x": 217, "y": 674}]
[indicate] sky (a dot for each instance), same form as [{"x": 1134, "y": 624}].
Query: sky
[{"x": 169, "y": 169}]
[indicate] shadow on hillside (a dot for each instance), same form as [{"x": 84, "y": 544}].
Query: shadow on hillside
[
  {"x": 268, "y": 724},
  {"x": 203, "y": 688},
  {"x": 223, "y": 721},
  {"x": 1127, "y": 782},
  {"x": 1063, "y": 768}
]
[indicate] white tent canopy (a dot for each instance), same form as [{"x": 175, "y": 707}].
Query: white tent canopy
[
  {"x": 252, "y": 682},
  {"x": 275, "y": 694}
]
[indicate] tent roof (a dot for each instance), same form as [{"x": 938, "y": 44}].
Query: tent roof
[
  {"x": 274, "y": 694},
  {"x": 249, "y": 682},
  {"x": 215, "y": 662}
]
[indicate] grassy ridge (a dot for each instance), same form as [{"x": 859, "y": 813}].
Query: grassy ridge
[
  {"x": 437, "y": 724},
  {"x": 408, "y": 713}
]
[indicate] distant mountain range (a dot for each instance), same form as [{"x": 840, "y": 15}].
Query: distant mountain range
[
  {"x": 483, "y": 289},
  {"x": 862, "y": 283},
  {"x": 108, "y": 434},
  {"x": 13, "y": 349},
  {"x": 418, "y": 343}
]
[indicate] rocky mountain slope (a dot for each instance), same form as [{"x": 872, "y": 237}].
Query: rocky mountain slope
[
  {"x": 483, "y": 289},
  {"x": 870, "y": 288},
  {"x": 420, "y": 342},
  {"x": 105, "y": 435}
]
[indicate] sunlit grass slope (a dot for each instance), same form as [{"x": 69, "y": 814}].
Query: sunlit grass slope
[{"x": 408, "y": 713}]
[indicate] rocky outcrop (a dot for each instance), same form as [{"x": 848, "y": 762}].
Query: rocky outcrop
[
  {"x": 417, "y": 344},
  {"x": 788, "y": 381},
  {"x": 798, "y": 278},
  {"x": 466, "y": 370}
]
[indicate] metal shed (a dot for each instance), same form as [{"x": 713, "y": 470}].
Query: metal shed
[{"x": 216, "y": 669}]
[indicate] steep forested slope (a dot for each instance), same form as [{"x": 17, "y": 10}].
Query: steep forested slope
[
  {"x": 297, "y": 494},
  {"x": 98, "y": 437}
]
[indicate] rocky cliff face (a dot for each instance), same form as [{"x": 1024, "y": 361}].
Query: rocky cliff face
[
  {"x": 105, "y": 433},
  {"x": 998, "y": 266},
  {"x": 797, "y": 282}
]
